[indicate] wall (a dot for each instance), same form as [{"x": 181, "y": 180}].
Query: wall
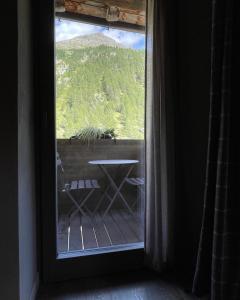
[
  {"x": 75, "y": 156},
  {"x": 26, "y": 163},
  {"x": 17, "y": 221},
  {"x": 193, "y": 51},
  {"x": 9, "y": 271}
]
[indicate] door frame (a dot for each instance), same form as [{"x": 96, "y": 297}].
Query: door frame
[{"x": 56, "y": 267}]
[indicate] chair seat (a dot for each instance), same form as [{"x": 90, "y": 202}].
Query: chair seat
[
  {"x": 82, "y": 184},
  {"x": 135, "y": 181}
]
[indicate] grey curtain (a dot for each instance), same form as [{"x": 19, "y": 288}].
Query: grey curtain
[
  {"x": 218, "y": 264},
  {"x": 159, "y": 134}
]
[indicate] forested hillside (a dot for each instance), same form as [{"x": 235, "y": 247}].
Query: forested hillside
[{"x": 99, "y": 84}]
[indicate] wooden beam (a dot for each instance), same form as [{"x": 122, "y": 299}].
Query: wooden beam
[
  {"x": 85, "y": 9},
  {"x": 59, "y": 5},
  {"x": 134, "y": 5},
  {"x": 127, "y": 13},
  {"x": 100, "y": 22}
]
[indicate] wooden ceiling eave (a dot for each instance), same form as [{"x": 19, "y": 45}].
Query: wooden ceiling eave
[
  {"x": 130, "y": 12},
  {"x": 132, "y": 6}
]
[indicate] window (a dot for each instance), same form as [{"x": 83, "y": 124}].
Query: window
[{"x": 100, "y": 100}]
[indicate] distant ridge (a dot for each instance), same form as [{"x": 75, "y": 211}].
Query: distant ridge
[{"x": 91, "y": 40}]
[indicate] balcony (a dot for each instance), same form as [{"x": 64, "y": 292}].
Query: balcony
[{"x": 98, "y": 229}]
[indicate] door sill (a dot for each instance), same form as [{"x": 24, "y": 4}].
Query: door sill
[{"x": 99, "y": 251}]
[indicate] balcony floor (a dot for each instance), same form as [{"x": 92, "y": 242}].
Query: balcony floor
[{"x": 116, "y": 228}]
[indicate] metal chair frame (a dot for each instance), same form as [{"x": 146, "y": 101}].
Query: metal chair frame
[{"x": 81, "y": 184}]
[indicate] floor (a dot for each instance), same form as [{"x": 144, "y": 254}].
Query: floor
[
  {"x": 84, "y": 232},
  {"x": 131, "y": 286}
]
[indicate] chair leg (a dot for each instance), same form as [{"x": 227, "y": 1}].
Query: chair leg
[
  {"x": 136, "y": 201},
  {"x": 83, "y": 203},
  {"x": 73, "y": 214},
  {"x": 71, "y": 210},
  {"x": 87, "y": 197},
  {"x": 80, "y": 205},
  {"x": 142, "y": 201},
  {"x": 76, "y": 203}
]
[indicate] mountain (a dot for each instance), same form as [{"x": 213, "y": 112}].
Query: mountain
[
  {"x": 91, "y": 40},
  {"x": 99, "y": 84}
]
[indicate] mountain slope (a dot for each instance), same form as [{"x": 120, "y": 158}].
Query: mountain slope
[
  {"x": 91, "y": 40},
  {"x": 100, "y": 86}
]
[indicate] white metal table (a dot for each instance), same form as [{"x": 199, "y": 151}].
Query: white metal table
[{"x": 103, "y": 164}]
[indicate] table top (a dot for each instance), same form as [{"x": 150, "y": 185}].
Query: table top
[{"x": 113, "y": 162}]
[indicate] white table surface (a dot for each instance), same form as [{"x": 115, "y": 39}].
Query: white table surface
[{"x": 113, "y": 162}]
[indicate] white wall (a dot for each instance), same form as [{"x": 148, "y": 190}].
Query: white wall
[
  {"x": 26, "y": 164},
  {"x": 18, "y": 261}
]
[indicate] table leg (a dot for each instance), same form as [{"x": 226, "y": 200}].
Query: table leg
[
  {"x": 101, "y": 199},
  {"x": 105, "y": 194},
  {"x": 116, "y": 188}
]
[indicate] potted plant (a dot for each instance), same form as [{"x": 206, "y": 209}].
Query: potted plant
[{"x": 89, "y": 135}]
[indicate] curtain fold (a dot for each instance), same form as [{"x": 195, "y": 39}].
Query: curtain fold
[
  {"x": 218, "y": 263},
  {"x": 159, "y": 134}
]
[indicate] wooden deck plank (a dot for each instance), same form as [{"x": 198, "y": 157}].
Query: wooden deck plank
[
  {"x": 62, "y": 234},
  {"x": 75, "y": 240},
  {"x": 127, "y": 231},
  {"x": 62, "y": 223},
  {"x": 101, "y": 232},
  {"x": 135, "y": 224},
  {"x": 113, "y": 230},
  {"x": 118, "y": 227},
  {"x": 88, "y": 232}
]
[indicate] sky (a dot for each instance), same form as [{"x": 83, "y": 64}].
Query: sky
[{"x": 65, "y": 29}]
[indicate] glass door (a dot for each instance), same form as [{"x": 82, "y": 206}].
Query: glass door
[
  {"x": 100, "y": 99},
  {"x": 91, "y": 89}
]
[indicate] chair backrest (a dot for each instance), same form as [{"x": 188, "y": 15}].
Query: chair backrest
[
  {"x": 59, "y": 162},
  {"x": 60, "y": 174}
]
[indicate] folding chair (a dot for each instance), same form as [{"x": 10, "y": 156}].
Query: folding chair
[
  {"x": 90, "y": 185},
  {"x": 139, "y": 183}
]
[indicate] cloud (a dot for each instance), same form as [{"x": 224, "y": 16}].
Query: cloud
[
  {"x": 129, "y": 39},
  {"x": 65, "y": 30}
]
